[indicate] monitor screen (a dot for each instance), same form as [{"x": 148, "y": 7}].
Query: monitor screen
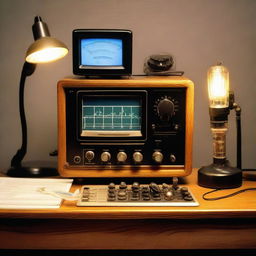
[
  {"x": 111, "y": 116},
  {"x": 101, "y": 52}
]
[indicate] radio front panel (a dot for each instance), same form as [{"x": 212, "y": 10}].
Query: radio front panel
[{"x": 125, "y": 128}]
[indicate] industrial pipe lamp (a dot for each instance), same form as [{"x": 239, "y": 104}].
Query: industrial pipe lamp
[{"x": 219, "y": 174}]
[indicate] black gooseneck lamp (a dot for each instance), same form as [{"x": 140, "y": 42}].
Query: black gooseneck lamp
[
  {"x": 44, "y": 49},
  {"x": 219, "y": 174}
]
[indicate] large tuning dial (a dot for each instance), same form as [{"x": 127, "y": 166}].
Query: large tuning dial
[{"x": 165, "y": 109}]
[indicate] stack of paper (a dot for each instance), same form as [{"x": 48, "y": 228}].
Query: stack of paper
[{"x": 24, "y": 193}]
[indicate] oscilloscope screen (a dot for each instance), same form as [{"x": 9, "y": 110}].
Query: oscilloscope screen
[{"x": 112, "y": 114}]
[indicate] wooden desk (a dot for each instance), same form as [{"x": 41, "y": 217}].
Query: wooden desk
[{"x": 228, "y": 223}]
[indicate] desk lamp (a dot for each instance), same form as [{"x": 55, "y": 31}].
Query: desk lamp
[
  {"x": 44, "y": 49},
  {"x": 219, "y": 174}
]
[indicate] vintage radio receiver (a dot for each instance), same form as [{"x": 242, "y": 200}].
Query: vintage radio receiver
[{"x": 136, "y": 127}]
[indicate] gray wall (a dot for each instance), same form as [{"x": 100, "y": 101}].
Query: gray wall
[{"x": 197, "y": 32}]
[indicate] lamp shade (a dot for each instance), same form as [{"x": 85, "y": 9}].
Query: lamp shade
[{"x": 46, "y": 49}]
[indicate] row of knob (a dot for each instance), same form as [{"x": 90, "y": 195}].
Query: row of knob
[{"x": 121, "y": 157}]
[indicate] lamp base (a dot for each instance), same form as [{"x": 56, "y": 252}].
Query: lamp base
[
  {"x": 33, "y": 170},
  {"x": 219, "y": 176}
]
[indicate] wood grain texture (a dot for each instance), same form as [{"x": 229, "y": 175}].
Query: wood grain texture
[
  {"x": 125, "y": 171},
  {"x": 127, "y": 234}
]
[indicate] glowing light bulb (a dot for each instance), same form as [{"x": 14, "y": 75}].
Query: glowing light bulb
[
  {"x": 218, "y": 86},
  {"x": 47, "y": 55},
  {"x": 46, "y": 49}
]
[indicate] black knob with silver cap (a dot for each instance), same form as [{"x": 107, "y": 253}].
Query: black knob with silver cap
[
  {"x": 105, "y": 156},
  {"x": 122, "y": 185},
  {"x": 137, "y": 157},
  {"x": 157, "y": 156}
]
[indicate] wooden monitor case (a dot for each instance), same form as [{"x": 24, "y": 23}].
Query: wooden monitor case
[{"x": 67, "y": 170}]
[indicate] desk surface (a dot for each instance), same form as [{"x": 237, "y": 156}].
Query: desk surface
[
  {"x": 224, "y": 224},
  {"x": 239, "y": 206}
]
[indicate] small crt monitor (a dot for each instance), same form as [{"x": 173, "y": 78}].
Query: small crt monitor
[{"x": 102, "y": 52}]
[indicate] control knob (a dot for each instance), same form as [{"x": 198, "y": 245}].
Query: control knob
[
  {"x": 172, "y": 158},
  {"x": 89, "y": 155},
  {"x": 137, "y": 157},
  {"x": 77, "y": 159},
  {"x": 121, "y": 156},
  {"x": 165, "y": 109},
  {"x": 105, "y": 157},
  {"x": 157, "y": 157}
]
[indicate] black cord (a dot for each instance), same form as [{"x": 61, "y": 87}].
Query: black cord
[{"x": 226, "y": 196}]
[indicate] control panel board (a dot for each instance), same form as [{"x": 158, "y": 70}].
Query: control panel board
[{"x": 136, "y": 195}]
